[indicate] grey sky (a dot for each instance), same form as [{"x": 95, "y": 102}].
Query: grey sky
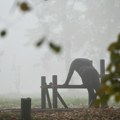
[{"x": 83, "y": 28}]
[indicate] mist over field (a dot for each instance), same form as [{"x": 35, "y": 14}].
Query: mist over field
[{"x": 84, "y": 29}]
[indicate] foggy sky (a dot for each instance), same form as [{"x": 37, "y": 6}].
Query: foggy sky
[{"x": 84, "y": 28}]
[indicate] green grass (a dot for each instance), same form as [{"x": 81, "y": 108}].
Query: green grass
[
  {"x": 75, "y": 102},
  {"x": 6, "y": 103},
  {"x": 9, "y": 103},
  {"x": 16, "y": 102}
]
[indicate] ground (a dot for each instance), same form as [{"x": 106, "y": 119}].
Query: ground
[
  {"x": 10, "y": 110},
  {"x": 73, "y": 114}
]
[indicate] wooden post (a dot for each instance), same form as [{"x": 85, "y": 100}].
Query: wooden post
[
  {"x": 54, "y": 91},
  {"x": 48, "y": 98},
  {"x": 26, "y": 108},
  {"x": 102, "y": 67},
  {"x": 43, "y": 92},
  {"x": 102, "y": 73}
]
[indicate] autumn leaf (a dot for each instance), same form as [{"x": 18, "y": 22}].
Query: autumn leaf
[
  {"x": 112, "y": 46},
  {"x": 113, "y": 69},
  {"x": 40, "y": 42},
  {"x": 3, "y": 33},
  {"x": 54, "y": 47},
  {"x": 24, "y": 6},
  {"x": 118, "y": 40},
  {"x": 117, "y": 97}
]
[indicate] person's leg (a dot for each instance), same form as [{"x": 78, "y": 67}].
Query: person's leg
[
  {"x": 90, "y": 79},
  {"x": 70, "y": 73},
  {"x": 92, "y": 96}
]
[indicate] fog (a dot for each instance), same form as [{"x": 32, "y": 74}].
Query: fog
[{"x": 84, "y": 29}]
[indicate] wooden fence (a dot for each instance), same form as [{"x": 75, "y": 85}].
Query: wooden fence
[{"x": 45, "y": 97}]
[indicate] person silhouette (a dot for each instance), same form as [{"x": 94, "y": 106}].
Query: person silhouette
[{"x": 89, "y": 75}]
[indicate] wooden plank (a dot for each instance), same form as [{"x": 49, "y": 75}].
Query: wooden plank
[
  {"x": 62, "y": 101},
  {"x": 48, "y": 98},
  {"x": 54, "y": 91},
  {"x": 66, "y": 86},
  {"x": 43, "y": 92}
]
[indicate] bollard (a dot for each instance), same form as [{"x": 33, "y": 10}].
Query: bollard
[{"x": 25, "y": 108}]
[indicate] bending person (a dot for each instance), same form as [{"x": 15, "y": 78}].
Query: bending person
[{"x": 89, "y": 75}]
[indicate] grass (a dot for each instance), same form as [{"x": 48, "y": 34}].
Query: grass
[
  {"x": 8, "y": 103},
  {"x": 75, "y": 102}
]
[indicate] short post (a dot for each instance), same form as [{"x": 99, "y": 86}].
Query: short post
[
  {"x": 54, "y": 91},
  {"x": 43, "y": 92},
  {"x": 102, "y": 67},
  {"x": 102, "y": 73},
  {"x": 26, "y": 108}
]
